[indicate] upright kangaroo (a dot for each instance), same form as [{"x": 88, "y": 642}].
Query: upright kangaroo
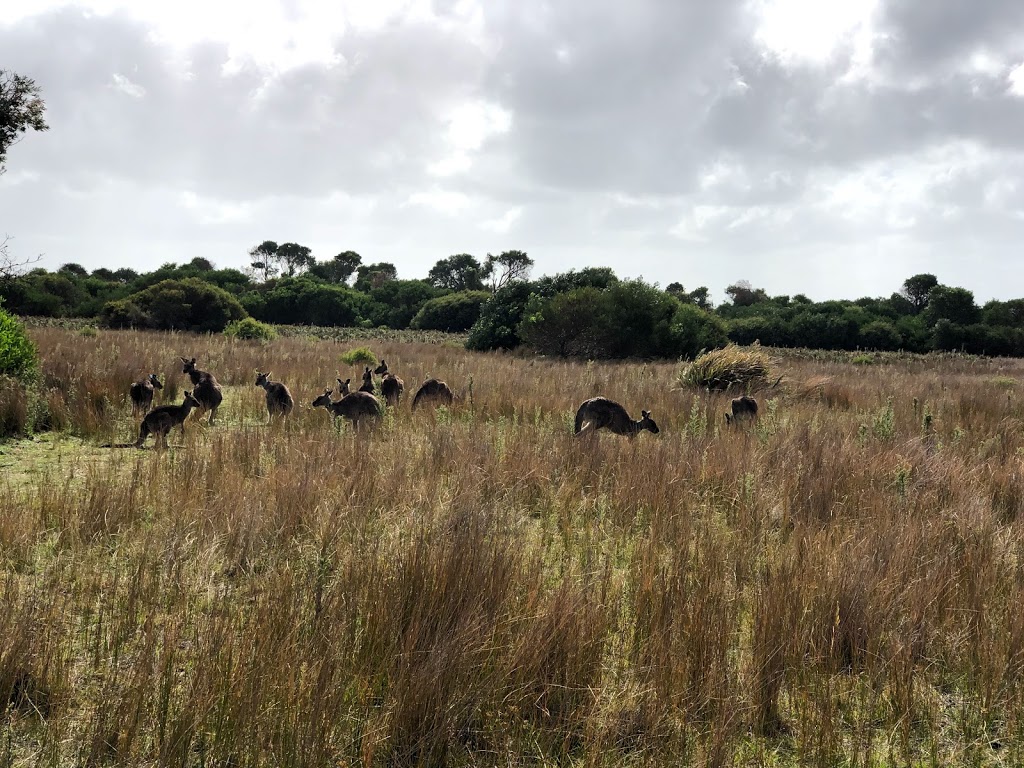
[
  {"x": 744, "y": 407},
  {"x": 381, "y": 369},
  {"x": 358, "y": 407},
  {"x": 279, "y": 399},
  {"x": 367, "y": 385},
  {"x": 433, "y": 391},
  {"x": 392, "y": 387},
  {"x": 141, "y": 393},
  {"x": 162, "y": 420},
  {"x": 205, "y": 387},
  {"x": 602, "y": 413},
  {"x": 343, "y": 388}
]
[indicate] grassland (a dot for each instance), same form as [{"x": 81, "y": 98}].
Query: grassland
[{"x": 839, "y": 585}]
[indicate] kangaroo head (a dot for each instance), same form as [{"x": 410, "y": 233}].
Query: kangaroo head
[
  {"x": 155, "y": 381},
  {"x": 343, "y": 387},
  {"x": 324, "y": 400},
  {"x": 190, "y": 400},
  {"x": 367, "y": 374},
  {"x": 381, "y": 369},
  {"x": 646, "y": 422},
  {"x": 187, "y": 366},
  {"x": 262, "y": 378}
]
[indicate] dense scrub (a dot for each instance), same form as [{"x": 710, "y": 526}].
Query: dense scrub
[{"x": 837, "y": 584}]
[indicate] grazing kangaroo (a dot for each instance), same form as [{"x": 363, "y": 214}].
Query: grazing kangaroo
[
  {"x": 356, "y": 407},
  {"x": 433, "y": 391},
  {"x": 744, "y": 407},
  {"x": 141, "y": 393},
  {"x": 392, "y": 387},
  {"x": 367, "y": 385},
  {"x": 602, "y": 413},
  {"x": 343, "y": 387},
  {"x": 279, "y": 399},
  {"x": 205, "y": 387},
  {"x": 381, "y": 369},
  {"x": 162, "y": 420}
]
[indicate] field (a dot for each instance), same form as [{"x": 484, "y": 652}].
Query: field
[{"x": 841, "y": 584}]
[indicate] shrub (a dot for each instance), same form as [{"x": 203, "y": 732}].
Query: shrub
[
  {"x": 500, "y": 317},
  {"x": 742, "y": 368},
  {"x": 567, "y": 324},
  {"x": 695, "y": 330},
  {"x": 187, "y": 305},
  {"x": 359, "y": 356},
  {"x": 18, "y": 356},
  {"x": 455, "y": 313},
  {"x": 250, "y": 329},
  {"x": 879, "y": 334},
  {"x": 302, "y": 301}
]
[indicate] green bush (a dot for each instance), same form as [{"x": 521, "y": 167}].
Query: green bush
[
  {"x": 359, "y": 356},
  {"x": 454, "y": 313},
  {"x": 302, "y": 301},
  {"x": 500, "y": 316},
  {"x": 694, "y": 331},
  {"x": 186, "y": 305},
  {"x": 568, "y": 324},
  {"x": 18, "y": 356},
  {"x": 249, "y": 329}
]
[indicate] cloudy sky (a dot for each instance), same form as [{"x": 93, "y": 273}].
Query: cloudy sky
[{"x": 829, "y": 147}]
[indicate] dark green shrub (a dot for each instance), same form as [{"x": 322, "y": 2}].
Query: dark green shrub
[
  {"x": 18, "y": 355},
  {"x": 568, "y": 324},
  {"x": 879, "y": 334},
  {"x": 695, "y": 330},
  {"x": 186, "y": 305},
  {"x": 454, "y": 313},
  {"x": 500, "y": 316},
  {"x": 302, "y": 301}
]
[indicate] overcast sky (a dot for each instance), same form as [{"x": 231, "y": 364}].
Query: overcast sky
[{"x": 826, "y": 147}]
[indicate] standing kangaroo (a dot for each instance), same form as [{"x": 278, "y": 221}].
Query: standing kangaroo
[
  {"x": 433, "y": 391},
  {"x": 205, "y": 387},
  {"x": 279, "y": 399},
  {"x": 356, "y": 407},
  {"x": 141, "y": 393},
  {"x": 162, "y": 420},
  {"x": 343, "y": 388},
  {"x": 602, "y": 413},
  {"x": 381, "y": 369},
  {"x": 743, "y": 407},
  {"x": 392, "y": 387},
  {"x": 367, "y": 385}
]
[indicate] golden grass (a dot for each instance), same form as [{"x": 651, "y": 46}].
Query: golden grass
[{"x": 839, "y": 584}]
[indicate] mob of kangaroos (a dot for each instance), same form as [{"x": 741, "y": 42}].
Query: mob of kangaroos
[
  {"x": 602, "y": 413},
  {"x": 141, "y": 393},
  {"x": 205, "y": 387}
]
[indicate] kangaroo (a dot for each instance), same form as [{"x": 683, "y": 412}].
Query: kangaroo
[
  {"x": 744, "y": 407},
  {"x": 392, "y": 387},
  {"x": 343, "y": 388},
  {"x": 381, "y": 369},
  {"x": 162, "y": 420},
  {"x": 433, "y": 391},
  {"x": 600, "y": 412},
  {"x": 279, "y": 399},
  {"x": 356, "y": 407},
  {"x": 204, "y": 387},
  {"x": 141, "y": 393},
  {"x": 367, "y": 385}
]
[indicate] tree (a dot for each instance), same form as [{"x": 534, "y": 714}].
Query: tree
[
  {"x": 698, "y": 296},
  {"x": 74, "y": 269},
  {"x": 743, "y": 294},
  {"x": 917, "y": 288},
  {"x": 461, "y": 272},
  {"x": 454, "y": 312},
  {"x": 21, "y": 109},
  {"x": 953, "y": 304},
  {"x": 186, "y": 305},
  {"x": 339, "y": 269},
  {"x": 264, "y": 259},
  {"x": 567, "y": 324},
  {"x": 370, "y": 276},
  {"x": 199, "y": 264},
  {"x": 295, "y": 258},
  {"x": 507, "y": 267},
  {"x": 695, "y": 330}
]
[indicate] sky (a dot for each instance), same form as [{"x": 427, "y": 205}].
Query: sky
[{"x": 825, "y": 147}]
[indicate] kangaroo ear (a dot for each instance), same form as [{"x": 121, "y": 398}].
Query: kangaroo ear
[
  {"x": 193, "y": 360},
  {"x": 183, "y": 359},
  {"x": 645, "y": 414},
  {"x": 347, "y": 380}
]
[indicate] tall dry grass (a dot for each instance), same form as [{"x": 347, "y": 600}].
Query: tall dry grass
[{"x": 838, "y": 584}]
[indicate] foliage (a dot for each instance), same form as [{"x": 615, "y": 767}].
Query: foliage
[
  {"x": 506, "y": 268},
  {"x": 302, "y": 300},
  {"x": 249, "y": 328},
  {"x": 263, "y": 259},
  {"x": 879, "y": 334},
  {"x": 18, "y": 355},
  {"x": 917, "y": 289},
  {"x": 695, "y": 330},
  {"x": 337, "y": 270},
  {"x": 461, "y": 272},
  {"x": 743, "y": 294},
  {"x": 359, "y": 356},
  {"x": 21, "y": 110},
  {"x": 567, "y": 325},
  {"x": 500, "y": 318},
  {"x": 953, "y": 304},
  {"x": 396, "y": 302},
  {"x": 453, "y": 313},
  {"x": 370, "y": 276},
  {"x": 187, "y": 305},
  {"x": 742, "y": 369}
]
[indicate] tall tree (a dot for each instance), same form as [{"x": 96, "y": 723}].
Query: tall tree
[
  {"x": 461, "y": 272},
  {"x": 295, "y": 258},
  {"x": 264, "y": 259},
  {"x": 21, "y": 110},
  {"x": 917, "y": 288},
  {"x": 507, "y": 267},
  {"x": 743, "y": 294},
  {"x": 339, "y": 269},
  {"x": 370, "y": 276}
]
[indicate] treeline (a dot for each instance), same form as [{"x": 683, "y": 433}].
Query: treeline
[{"x": 587, "y": 313}]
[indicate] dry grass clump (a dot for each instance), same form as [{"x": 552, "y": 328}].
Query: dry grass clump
[
  {"x": 744, "y": 369},
  {"x": 838, "y": 584}
]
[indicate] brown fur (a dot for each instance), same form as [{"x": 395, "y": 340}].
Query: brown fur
[
  {"x": 343, "y": 388},
  {"x": 392, "y": 387},
  {"x": 743, "y": 407},
  {"x": 279, "y": 399},
  {"x": 205, "y": 387},
  {"x": 381, "y": 369},
  {"x": 367, "y": 385},
  {"x": 162, "y": 420},
  {"x": 602, "y": 413},
  {"x": 433, "y": 391},
  {"x": 141, "y": 393},
  {"x": 358, "y": 407}
]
